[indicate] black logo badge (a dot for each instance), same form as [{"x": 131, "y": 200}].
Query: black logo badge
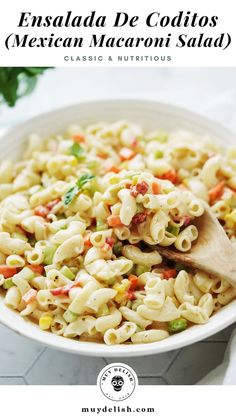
[{"x": 117, "y": 381}]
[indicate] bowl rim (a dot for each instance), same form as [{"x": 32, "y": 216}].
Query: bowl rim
[{"x": 24, "y": 327}]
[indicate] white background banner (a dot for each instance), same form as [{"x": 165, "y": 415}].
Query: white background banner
[
  {"x": 160, "y": 402},
  {"x": 200, "y": 33}
]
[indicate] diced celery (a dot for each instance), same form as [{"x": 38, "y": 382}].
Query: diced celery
[
  {"x": 162, "y": 137},
  {"x": 114, "y": 180},
  {"x": 20, "y": 236},
  {"x": 177, "y": 325},
  {"x": 93, "y": 164},
  {"x": 67, "y": 272},
  {"x": 139, "y": 208},
  {"x": 26, "y": 273},
  {"x": 103, "y": 310},
  {"x": 8, "y": 284},
  {"x": 159, "y": 154},
  {"x": 173, "y": 230},
  {"x": 135, "y": 179},
  {"x": 100, "y": 225},
  {"x": 69, "y": 316},
  {"x": 111, "y": 281},
  {"x": 138, "y": 329},
  {"x": 136, "y": 303},
  {"x": 140, "y": 269},
  {"x": 48, "y": 254}
]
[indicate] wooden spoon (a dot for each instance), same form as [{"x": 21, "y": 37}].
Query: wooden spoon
[{"x": 212, "y": 252}]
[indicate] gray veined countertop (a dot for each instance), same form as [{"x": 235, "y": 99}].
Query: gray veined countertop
[{"x": 210, "y": 91}]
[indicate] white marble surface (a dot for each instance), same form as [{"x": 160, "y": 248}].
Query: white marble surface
[{"x": 208, "y": 91}]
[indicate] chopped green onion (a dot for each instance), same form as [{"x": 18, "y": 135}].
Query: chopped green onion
[
  {"x": 8, "y": 283},
  {"x": 67, "y": 272},
  {"x": 177, "y": 325}
]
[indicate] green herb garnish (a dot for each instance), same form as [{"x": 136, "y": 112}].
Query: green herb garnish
[
  {"x": 72, "y": 192},
  {"x": 77, "y": 151}
]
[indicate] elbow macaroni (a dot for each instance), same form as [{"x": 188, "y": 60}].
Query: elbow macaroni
[{"x": 77, "y": 232}]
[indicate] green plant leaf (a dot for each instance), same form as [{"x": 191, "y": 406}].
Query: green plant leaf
[{"x": 11, "y": 79}]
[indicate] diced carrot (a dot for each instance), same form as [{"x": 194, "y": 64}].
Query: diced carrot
[
  {"x": 102, "y": 155},
  {"x": 64, "y": 290},
  {"x": 78, "y": 138},
  {"x": 169, "y": 273},
  {"x": 38, "y": 269},
  {"x": 113, "y": 169},
  {"x": 126, "y": 153},
  {"x": 155, "y": 188},
  {"x": 133, "y": 281},
  {"x": 171, "y": 175},
  {"x": 216, "y": 192},
  {"x": 30, "y": 296},
  {"x": 52, "y": 204},
  {"x": 87, "y": 241},
  {"x": 41, "y": 211},
  {"x": 7, "y": 271},
  {"x": 114, "y": 221}
]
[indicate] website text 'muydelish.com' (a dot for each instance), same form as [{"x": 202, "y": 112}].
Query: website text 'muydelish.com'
[{"x": 117, "y": 409}]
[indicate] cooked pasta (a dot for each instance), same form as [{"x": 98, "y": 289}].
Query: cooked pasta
[{"x": 80, "y": 216}]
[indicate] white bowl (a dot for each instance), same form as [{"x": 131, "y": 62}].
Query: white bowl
[{"x": 150, "y": 115}]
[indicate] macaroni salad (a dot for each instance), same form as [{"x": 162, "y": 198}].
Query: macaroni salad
[{"x": 80, "y": 216}]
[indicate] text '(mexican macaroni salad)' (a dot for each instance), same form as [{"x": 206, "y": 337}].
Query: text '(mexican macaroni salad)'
[{"x": 80, "y": 216}]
